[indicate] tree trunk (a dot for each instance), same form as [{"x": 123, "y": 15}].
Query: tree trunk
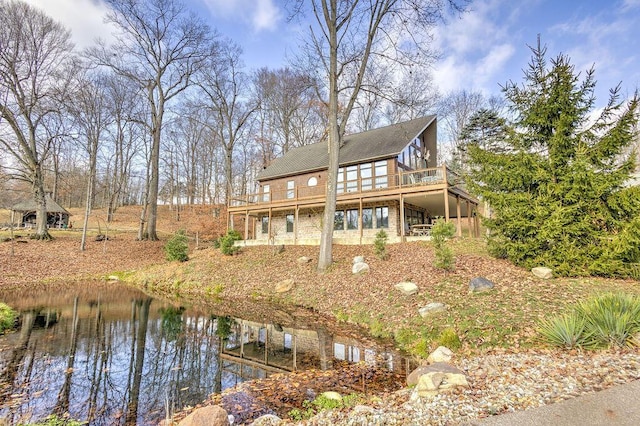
[
  {"x": 326, "y": 238},
  {"x": 42, "y": 232}
]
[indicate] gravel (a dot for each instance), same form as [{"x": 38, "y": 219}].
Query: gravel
[{"x": 499, "y": 383}]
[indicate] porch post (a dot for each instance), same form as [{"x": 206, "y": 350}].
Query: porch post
[
  {"x": 230, "y": 220},
  {"x": 476, "y": 220},
  {"x": 458, "y": 214},
  {"x": 246, "y": 225},
  {"x": 402, "y": 219},
  {"x": 295, "y": 225},
  {"x": 446, "y": 205},
  {"x": 471, "y": 229},
  {"x": 360, "y": 221}
]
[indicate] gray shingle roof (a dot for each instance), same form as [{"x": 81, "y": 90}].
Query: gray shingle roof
[
  {"x": 30, "y": 205},
  {"x": 384, "y": 142}
]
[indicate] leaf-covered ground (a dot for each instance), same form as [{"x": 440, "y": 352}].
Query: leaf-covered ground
[{"x": 504, "y": 319}]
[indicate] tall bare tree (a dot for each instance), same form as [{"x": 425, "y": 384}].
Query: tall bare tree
[
  {"x": 36, "y": 64},
  {"x": 347, "y": 35},
  {"x": 159, "y": 47},
  {"x": 92, "y": 115},
  {"x": 225, "y": 87}
]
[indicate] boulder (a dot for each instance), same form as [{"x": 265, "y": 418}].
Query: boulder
[
  {"x": 211, "y": 415},
  {"x": 437, "y": 367},
  {"x": 267, "y": 420},
  {"x": 441, "y": 354},
  {"x": 542, "y": 272},
  {"x": 479, "y": 284},
  {"x": 285, "y": 286},
  {"x": 360, "y": 268},
  {"x": 358, "y": 259},
  {"x": 442, "y": 377},
  {"x": 407, "y": 288},
  {"x": 303, "y": 260},
  {"x": 432, "y": 308}
]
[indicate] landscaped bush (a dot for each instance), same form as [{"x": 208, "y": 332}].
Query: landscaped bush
[
  {"x": 380, "y": 244},
  {"x": 227, "y": 246},
  {"x": 449, "y": 339},
  {"x": 7, "y": 317},
  {"x": 177, "y": 248},
  {"x": 441, "y": 232},
  {"x": 608, "y": 320}
]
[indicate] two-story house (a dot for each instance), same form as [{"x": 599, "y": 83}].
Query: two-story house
[{"x": 388, "y": 179}]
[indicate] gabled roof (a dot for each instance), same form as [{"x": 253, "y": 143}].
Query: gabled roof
[
  {"x": 376, "y": 144},
  {"x": 30, "y": 205}
]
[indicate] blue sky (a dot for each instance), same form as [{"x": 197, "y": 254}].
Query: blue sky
[{"x": 480, "y": 50}]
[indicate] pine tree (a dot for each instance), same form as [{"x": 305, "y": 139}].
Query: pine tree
[{"x": 557, "y": 190}]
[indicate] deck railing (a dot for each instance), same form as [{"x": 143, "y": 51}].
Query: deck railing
[{"x": 413, "y": 178}]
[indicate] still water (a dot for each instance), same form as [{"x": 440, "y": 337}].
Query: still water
[{"x": 109, "y": 354}]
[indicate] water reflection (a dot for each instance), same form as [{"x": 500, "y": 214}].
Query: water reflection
[{"x": 112, "y": 355}]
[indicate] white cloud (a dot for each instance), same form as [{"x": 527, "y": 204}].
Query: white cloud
[
  {"x": 474, "y": 48},
  {"x": 260, "y": 14},
  {"x": 83, "y": 17}
]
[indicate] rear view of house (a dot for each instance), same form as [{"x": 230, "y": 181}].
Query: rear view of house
[{"x": 388, "y": 179}]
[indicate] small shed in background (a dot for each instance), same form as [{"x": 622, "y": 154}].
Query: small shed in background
[{"x": 57, "y": 216}]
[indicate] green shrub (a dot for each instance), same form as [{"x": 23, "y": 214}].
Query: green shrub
[
  {"x": 227, "y": 246},
  {"x": 608, "y": 320},
  {"x": 611, "y": 319},
  {"x": 54, "y": 420},
  {"x": 177, "y": 248},
  {"x": 7, "y": 317},
  {"x": 321, "y": 403},
  {"x": 441, "y": 232},
  {"x": 380, "y": 244},
  {"x": 449, "y": 338},
  {"x": 567, "y": 331}
]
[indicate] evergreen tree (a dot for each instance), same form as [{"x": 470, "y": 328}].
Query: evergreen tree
[
  {"x": 485, "y": 129},
  {"x": 558, "y": 190}
]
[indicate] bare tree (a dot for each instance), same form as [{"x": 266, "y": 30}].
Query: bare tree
[
  {"x": 225, "y": 86},
  {"x": 92, "y": 116},
  {"x": 456, "y": 110},
  {"x": 36, "y": 64},
  {"x": 348, "y": 35},
  {"x": 159, "y": 47}
]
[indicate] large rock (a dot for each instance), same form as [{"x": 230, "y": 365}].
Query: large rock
[
  {"x": 285, "y": 286},
  {"x": 432, "y": 308},
  {"x": 437, "y": 367},
  {"x": 479, "y": 284},
  {"x": 542, "y": 272},
  {"x": 407, "y": 288},
  {"x": 358, "y": 259},
  {"x": 439, "y": 377},
  {"x": 441, "y": 354},
  {"x": 211, "y": 415},
  {"x": 360, "y": 268},
  {"x": 304, "y": 260}
]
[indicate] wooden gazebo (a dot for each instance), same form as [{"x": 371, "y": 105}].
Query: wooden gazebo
[{"x": 57, "y": 216}]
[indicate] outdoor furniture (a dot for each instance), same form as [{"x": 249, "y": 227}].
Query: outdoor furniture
[{"x": 421, "y": 229}]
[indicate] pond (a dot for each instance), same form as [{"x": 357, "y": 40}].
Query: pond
[{"x": 110, "y": 354}]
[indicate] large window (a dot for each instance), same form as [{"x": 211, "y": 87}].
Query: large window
[
  {"x": 291, "y": 189},
  {"x": 352, "y": 178},
  {"x": 338, "y": 221},
  {"x": 365, "y": 175},
  {"x": 381, "y": 174},
  {"x": 367, "y": 218},
  {"x": 265, "y": 193},
  {"x": 352, "y": 219},
  {"x": 340, "y": 184},
  {"x": 289, "y": 220},
  {"x": 265, "y": 224},
  {"x": 382, "y": 217}
]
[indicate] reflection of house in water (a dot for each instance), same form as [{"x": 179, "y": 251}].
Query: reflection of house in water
[{"x": 253, "y": 350}]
